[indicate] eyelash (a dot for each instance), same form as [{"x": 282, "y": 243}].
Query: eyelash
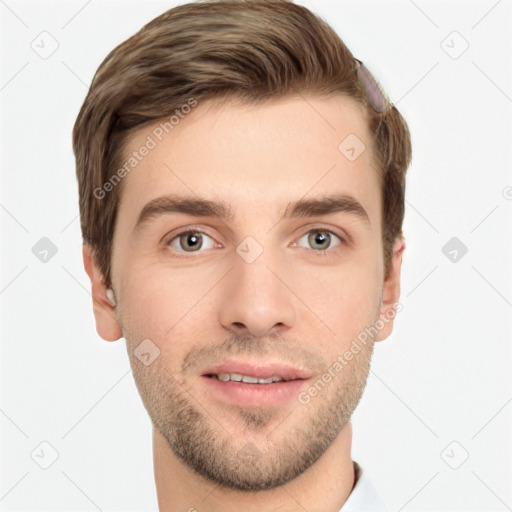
[{"x": 193, "y": 231}]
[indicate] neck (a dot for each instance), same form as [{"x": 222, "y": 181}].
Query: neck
[{"x": 324, "y": 486}]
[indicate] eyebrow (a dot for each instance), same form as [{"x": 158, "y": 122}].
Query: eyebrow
[
  {"x": 195, "y": 206},
  {"x": 199, "y": 207},
  {"x": 326, "y": 205}
]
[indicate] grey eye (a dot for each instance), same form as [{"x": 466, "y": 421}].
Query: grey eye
[
  {"x": 320, "y": 239},
  {"x": 191, "y": 241}
]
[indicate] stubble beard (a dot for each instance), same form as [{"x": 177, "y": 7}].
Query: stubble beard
[{"x": 284, "y": 446}]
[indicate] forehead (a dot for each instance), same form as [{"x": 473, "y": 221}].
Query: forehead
[{"x": 256, "y": 157}]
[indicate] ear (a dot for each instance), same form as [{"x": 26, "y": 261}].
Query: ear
[
  {"x": 391, "y": 291},
  {"x": 107, "y": 324}
]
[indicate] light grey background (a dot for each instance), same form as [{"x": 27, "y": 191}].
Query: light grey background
[{"x": 440, "y": 388}]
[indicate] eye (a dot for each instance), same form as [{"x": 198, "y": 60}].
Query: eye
[
  {"x": 191, "y": 240},
  {"x": 321, "y": 239}
]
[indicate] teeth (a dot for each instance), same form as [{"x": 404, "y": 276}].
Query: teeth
[
  {"x": 245, "y": 378},
  {"x": 263, "y": 381}
]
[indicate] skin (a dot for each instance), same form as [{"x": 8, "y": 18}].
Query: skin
[{"x": 291, "y": 304}]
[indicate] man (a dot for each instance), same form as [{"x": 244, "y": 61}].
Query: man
[{"x": 241, "y": 179}]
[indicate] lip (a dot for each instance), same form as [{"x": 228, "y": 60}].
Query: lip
[
  {"x": 261, "y": 370},
  {"x": 260, "y": 395}
]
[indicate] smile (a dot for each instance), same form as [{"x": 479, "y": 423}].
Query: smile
[{"x": 248, "y": 379}]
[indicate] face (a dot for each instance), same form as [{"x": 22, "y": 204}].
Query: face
[{"x": 247, "y": 244}]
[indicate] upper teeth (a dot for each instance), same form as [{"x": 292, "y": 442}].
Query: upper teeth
[{"x": 246, "y": 378}]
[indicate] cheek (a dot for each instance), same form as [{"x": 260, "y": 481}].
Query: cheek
[
  {"x": 158, "y": 300},
  {"x": 344, "y": 298}
]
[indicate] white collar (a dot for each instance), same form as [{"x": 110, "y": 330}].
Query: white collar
[{"x": 364, "y": 496}]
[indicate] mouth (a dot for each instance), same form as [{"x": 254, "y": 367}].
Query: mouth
[
  {"x": 247, "y": 379},
  {"x": 254, "y": 384}
]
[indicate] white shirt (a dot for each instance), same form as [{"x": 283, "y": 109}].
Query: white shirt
[{"x": 364, "y": 496}]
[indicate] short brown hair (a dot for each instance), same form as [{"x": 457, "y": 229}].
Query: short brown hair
[{"x": 213, "y": 49}]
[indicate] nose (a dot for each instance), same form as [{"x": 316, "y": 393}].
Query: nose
[{"x": 255, "y": 299}]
